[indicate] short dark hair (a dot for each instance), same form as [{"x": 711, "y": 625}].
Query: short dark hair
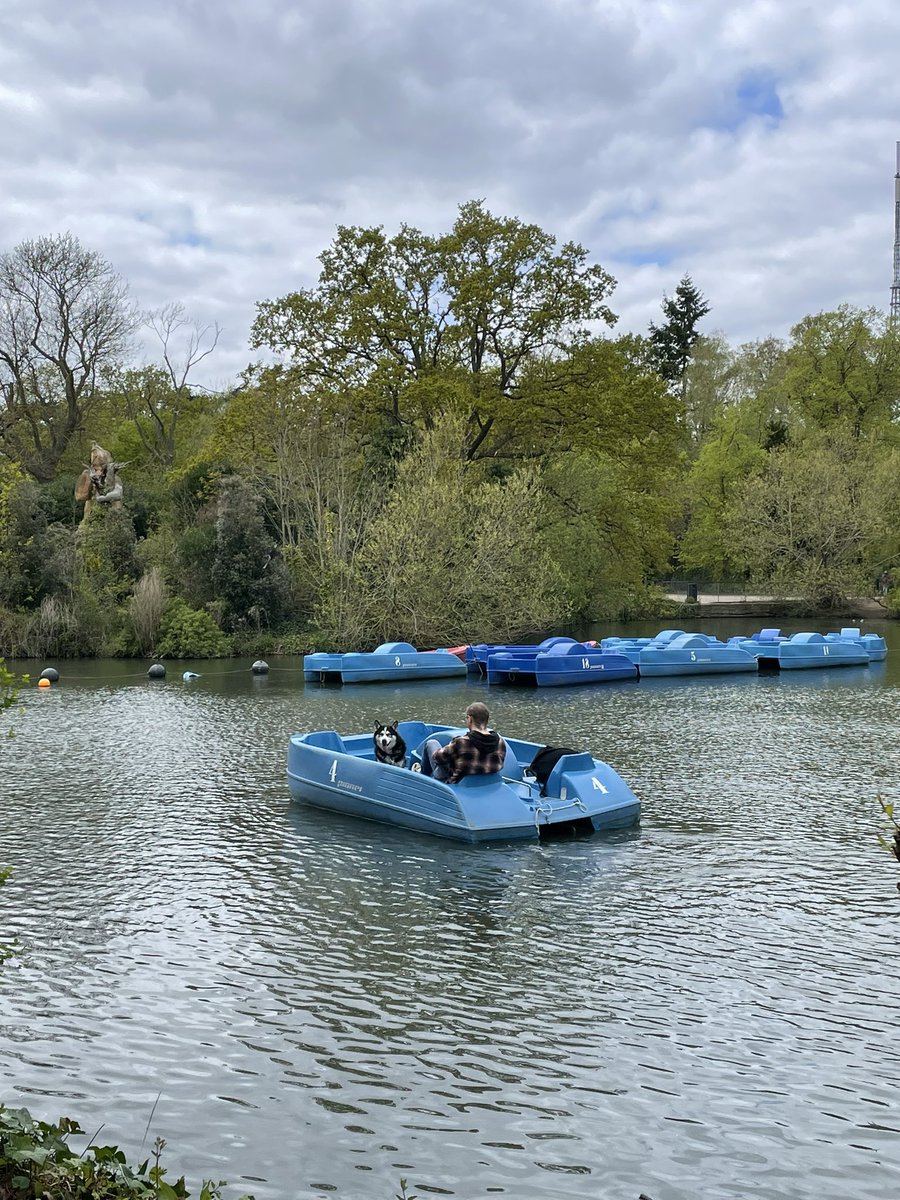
[{"x": 478, "y": 712}]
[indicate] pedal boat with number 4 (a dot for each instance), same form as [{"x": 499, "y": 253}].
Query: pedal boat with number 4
[{"x": 340, "y": 773}]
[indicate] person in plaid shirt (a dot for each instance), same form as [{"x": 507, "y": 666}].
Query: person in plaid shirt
[{"x": 481, "y": 751}]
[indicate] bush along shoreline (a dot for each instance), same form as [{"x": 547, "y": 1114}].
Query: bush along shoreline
[{"x": 37, "y": 1163}]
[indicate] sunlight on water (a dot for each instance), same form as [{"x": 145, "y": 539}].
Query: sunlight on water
[{"x": 704, "y": 1007}]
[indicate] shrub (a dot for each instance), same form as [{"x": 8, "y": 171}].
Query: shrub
[
  {"x": 186, "y": 632},
  {"x": 37, "y": 1162},
  {"x": 146, "y": 607}
]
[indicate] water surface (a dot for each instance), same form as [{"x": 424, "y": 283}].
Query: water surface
[{"x": 314, "y": 1006}]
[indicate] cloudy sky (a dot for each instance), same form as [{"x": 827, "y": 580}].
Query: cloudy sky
[{"x": 208, "y": 148}]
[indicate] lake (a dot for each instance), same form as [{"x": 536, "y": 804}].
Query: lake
[{"x": 312, "y": 1006}]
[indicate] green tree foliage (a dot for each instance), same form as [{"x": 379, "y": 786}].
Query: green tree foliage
[
  {"x": 711, "y": 384},
  {"x": 727, "y": 457},
  {"x": 672, "y": 342},
  {"x": 64, "y": 318},
  {"x": 417, "y": 325},
  {"x": 246, "y": 575},
  {"x": 843, "y": 369},
  {"x": 452, "y": 556},
  {"x": 809, "y": 523},
  {"x": 607, "y": 533},
  {"x": 24, "y": 566},
  {"x": 158, "y": 398}
]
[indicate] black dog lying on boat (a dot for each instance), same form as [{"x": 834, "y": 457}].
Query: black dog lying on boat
[{"x": 389, "y": 745}]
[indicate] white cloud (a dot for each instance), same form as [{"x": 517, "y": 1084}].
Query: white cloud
[{"x": 209, "y": 150}]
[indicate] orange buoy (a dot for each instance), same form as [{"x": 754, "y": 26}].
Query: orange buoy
[{"x": 43, "y": 683}]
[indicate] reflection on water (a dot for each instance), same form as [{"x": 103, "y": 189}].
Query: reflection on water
[{"x": 706, "y": 1006}]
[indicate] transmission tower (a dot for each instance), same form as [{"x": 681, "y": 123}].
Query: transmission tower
[{"x": 895, "y": 288}]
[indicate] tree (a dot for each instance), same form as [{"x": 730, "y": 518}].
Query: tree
[
  {"x": 710, "y": 384},
  {"x": 156, "y": 397},
  {"x": 243, "y": 575},
  {"x": 727, "y": 457},
  {"x": 64, "y": 318},
  {"x": 843, "y": 368},
  {"x": 673, "y": 341},
  {"x": 416, "y": 325},
  {"x": 451, "y": 557},
  {"x": 811, "y": 522}
]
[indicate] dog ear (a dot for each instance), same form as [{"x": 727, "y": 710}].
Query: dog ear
[
  {"x": 376, "y": 725},
  {"x": 393, "y": 725}
]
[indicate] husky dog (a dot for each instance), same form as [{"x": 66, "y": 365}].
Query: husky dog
[{"x": 389, "y": 745}]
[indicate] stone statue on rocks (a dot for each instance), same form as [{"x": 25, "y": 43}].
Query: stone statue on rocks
[{"x": 99, "y": 483}]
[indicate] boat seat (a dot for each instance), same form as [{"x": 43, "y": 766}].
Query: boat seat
[
  {"x": 326, "y": 739},
  {"x": 568, "y": 762},
  {"x": 413, "y": 733},
  {"x": 478, "y": 781},
  {"x": 512, "y": 768}
]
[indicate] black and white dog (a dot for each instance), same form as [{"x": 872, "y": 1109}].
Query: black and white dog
[{"x": 389, "y": 745}]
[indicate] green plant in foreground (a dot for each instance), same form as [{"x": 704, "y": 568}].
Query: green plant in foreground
[
  {"x": 10, "y": 685},
  {"x": 892, "y": 844},
  {"x": 37, "y": 1163}
]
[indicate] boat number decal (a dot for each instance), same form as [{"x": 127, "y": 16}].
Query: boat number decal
[
  {"x": 826, "y": 649},
  {"x": 397, "y": 661},
  {"x": 333, "y": 772},
  {"x": 693, "y": 656},
  {"x": 586, "y": 664},
  {"x": 598, "y": 785}
]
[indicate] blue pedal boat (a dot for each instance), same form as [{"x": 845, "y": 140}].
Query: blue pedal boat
[
  {"x": 873, "y": 643},
  {"x": 582, "y": 794},
  {"x": 693, "y": 654},
  {"x": 801, "y": 651},
  {"x": 632, "y": 647},
  {"x": 391, "y": 661},
  {"x": 563, "y": 663},
  {"x": 477, "y": 655}
]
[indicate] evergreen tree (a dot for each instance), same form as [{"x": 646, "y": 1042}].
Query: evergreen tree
[{"x": 672, "y": 342}]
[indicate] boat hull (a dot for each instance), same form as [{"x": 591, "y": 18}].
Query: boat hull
[
  {"x": 694, "y": 654},
  {"x": 560, "y": 670},
  {"x": 805, "y": 652},
  {"x": 392, "y": 662}
]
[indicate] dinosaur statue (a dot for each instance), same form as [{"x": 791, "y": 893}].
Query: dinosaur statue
[{"x": 99, "y": 483}]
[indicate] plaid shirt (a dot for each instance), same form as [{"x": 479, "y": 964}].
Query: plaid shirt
[{"x": 473, "y": 753}]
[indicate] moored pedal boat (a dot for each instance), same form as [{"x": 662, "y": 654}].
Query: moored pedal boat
[
  {"x": 801, "y": 651},
  {"x": 563, "y": 663},
  {"x": 391, "y": 661},
  {"x": 632, "y": 647},
  {"x": 340, "y": 773},
  {"x": 873, "y": 643},
  {"x": 477, "y": 655},
  {"x": 693, "y": 654}
]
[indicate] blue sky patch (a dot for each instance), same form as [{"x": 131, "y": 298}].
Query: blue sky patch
[
  {"x": 755, "y": 95},
  {"x": 640, "y": 256}
]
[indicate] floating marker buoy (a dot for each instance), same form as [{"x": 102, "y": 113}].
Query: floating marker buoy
[
  {"x": 189, "y": 675},
  {"x": 157, "y": 671},
  {"x": 44, "y": 683},
  {"x": 51, "y": 674},
  {"x": 260, "y": 667}
]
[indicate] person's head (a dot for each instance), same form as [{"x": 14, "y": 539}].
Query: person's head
[{"x": 477, "y": 716}]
